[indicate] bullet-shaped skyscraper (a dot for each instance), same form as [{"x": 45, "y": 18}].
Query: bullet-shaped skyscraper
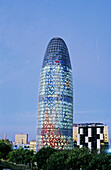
[{"x": 55, "y": 105}]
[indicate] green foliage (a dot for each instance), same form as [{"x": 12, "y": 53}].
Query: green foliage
[
  {"x": 21, "y": 156},
  {"x": 57, "y": 160},
  {"x": 100, "y": 161},
  {"x": 42, "y": 155},
  {"x": 6, "y": 142},
  {"x": 70, "y": 159},
  {"x": 78, "y": 158},
  {"x": 5, "y": 148},
  {"x": 51, "y": 159}
]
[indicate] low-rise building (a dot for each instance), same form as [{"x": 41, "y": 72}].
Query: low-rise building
[
  {"x": 91, "y": 135},
  {"x": 33, "y": 145},
  {"x": 21, "y": 138},
  {"x": 19, "y": 146}
]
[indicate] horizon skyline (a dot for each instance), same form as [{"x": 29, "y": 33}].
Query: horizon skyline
[{"x": 26, "y": 28}]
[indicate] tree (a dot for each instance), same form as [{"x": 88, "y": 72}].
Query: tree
[
  {"x": 78, "y": 158},
  {"x": 57, "y": 160},
  {"x": 100, "y": 161},
  {"x": 84, "y": 158},
  {"x": 5, "y": 148},
  {"x": 70, "y": 159},
  {"x": 21, "y": 156},
  {"x": 42, "y": 155}
]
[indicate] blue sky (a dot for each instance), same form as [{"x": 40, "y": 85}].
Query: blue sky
[{"x": 26, "y": 27}]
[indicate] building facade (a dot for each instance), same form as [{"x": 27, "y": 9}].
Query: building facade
[
  {"x": 91, "y": 135},
  {"x": 20, "y": 146},
  {"x": 75, "y": 132},
  {"x": 21, "y": 138},
  {"x": 55, "y": 105},
  {"x": 33, "y": 145},
  {"x": 106, "y": 137}
]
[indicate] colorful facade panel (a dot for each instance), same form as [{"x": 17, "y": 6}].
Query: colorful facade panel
[{"x": 55, "y": 106}]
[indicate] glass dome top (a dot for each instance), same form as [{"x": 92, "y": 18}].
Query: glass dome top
[{"x": 57, "y": 53}]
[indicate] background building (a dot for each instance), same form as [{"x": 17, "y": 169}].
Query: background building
[
  {"x": 91, "y": 135},
  {"x": 75, "y": 132},
  {"x": 55, "y": 106},
  {"x": 29, "y": 146},
  {"x": 106, "y": 137},
  {"x": 21, "y": 138},
  {"x": 33, "y": 145},
  {"x": 19, "y": 146}
]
